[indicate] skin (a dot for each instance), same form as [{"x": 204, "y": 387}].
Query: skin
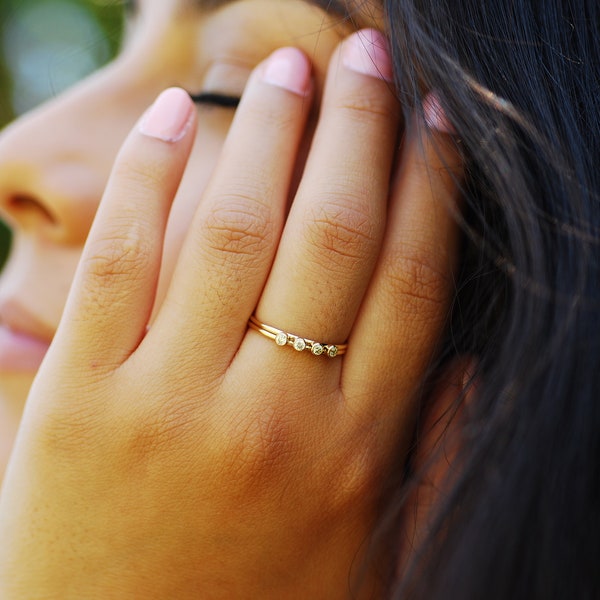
[
  {"x": 196, "y": 458},
  {"x": 45, "y": 157}
]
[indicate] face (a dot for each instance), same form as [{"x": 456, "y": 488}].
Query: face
[{"x": 55, "y": 161}]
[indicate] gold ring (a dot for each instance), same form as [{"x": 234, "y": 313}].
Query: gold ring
[{"x": 282, "y": 338}]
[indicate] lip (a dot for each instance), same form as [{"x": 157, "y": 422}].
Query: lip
[
  {"x": 22, "y": 343},
  {"x": 19, "y": 352}
]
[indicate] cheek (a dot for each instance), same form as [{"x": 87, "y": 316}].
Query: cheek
[
  {"x": 207, "y": 148},
  {"x": 13, "y": 393},
  {"x": 39, "y": 273},
  {"x": 14, "y": 389}
]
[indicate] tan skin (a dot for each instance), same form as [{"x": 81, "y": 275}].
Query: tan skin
[
  {"x": 166, "y": 451},
  {"x": 45, "y": 157}
]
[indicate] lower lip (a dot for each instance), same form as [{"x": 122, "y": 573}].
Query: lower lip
[{"x": 20, "y": 353}]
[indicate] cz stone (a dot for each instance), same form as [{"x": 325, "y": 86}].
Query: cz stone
[
  {"x": 317, "y": 349},
  {"x": 299, "y": 344},
  {"x": 281, "y": 339},
  {"x": 332, "y": 351}
]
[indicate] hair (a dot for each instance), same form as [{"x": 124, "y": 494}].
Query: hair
[{"x": 520, "y": 82}]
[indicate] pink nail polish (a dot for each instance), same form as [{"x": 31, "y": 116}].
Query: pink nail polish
[
  {"x": 367, "y": 52},
  {"x": 288, "y": 68},
  {"x": 435, "y": 115},
  {"x": 170, "y": 117}
]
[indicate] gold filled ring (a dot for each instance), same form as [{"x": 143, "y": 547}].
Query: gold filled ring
[{"x": 300, "y": 344}]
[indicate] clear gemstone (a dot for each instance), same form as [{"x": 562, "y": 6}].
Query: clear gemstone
[
  {"x": 317, "y": 349},
  {"x": 299, "y": 344},
  {"x": 332, "y": 351},
  {"x": 281, "y": 339}
]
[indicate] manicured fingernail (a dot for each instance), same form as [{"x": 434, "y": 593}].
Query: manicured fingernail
[
  {"x": 367, "y": 52},
  {"x": 170, "y": 117},
  {"x": 435, "y": 115},
  {"x": 288, "y": 68}
]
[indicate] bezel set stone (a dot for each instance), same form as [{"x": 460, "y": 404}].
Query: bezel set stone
[
  {"x": 317, "y": 349},
  {"x": 299, "y": 344},
  {"x": 281, "y": 339}
]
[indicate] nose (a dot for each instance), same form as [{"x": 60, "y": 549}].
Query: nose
[{"x": 54, "y": 162}]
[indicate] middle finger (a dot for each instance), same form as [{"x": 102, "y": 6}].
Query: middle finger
[{"x": 333, "y": 233}]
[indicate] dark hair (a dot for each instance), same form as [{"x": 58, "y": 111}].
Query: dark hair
[{"x": 520, "y": 81}]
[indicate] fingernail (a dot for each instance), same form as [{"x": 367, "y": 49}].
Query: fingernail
[
  {"x": 435, "y": 115},
  {"x": 367, "y": 52},
  {"x": 288, "y": 68},
  {"x": 170, "y": 117}
]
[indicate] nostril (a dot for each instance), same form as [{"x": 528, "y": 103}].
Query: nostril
[{"x": 21, "y": 205}]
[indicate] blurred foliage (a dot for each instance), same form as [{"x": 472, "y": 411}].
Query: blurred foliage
[
  {"x": 4, "y": 243},
  {"x": 45, "y": 46}
]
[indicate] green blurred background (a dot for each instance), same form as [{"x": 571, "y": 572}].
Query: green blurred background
[{"x": 46, "y": 46}]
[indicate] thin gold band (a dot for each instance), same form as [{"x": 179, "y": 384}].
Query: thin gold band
[{"x": 282, "y": 338}]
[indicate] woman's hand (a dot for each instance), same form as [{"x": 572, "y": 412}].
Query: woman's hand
[{"x": 198, "y": 459}]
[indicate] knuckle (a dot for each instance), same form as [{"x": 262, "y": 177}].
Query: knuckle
[
  {"x": 113, "y": 270},
  {"x": 355, "y": 473},
  {"x": 352, "y": 466},
  {"x": 364, "y": 106},
  {"x": 272, "y": 117},
  {"x": 341, "y": 234},
  {"x": 417, "y": 284},
  {"x": 263, "y": 444},
  {"x": 134, "y": 175},
  {"x": 238, "y": 226},
  {"x": 158, "y": 432},
  {"x": 67, "y": 428},
  {"x": 62, "y": 437},
  {"x": 119, "y": 258}
]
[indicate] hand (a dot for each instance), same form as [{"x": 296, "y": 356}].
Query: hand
[{"x": 198, "y": 459}]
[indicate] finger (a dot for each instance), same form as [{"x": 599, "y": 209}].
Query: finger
[
  {"x": 404, "y": 313},
  {"x": 333, "y": 233},
  {"x": 113, "y": 290},
  {"x": 230, "y": 246}
]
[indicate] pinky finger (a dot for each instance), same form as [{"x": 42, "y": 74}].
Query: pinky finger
[{"x": 114, "y": 286}]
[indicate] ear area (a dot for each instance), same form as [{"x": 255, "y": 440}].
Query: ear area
[{"x": 439, "y": 439}]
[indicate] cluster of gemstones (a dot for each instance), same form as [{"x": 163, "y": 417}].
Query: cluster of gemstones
[{"x": 300, "y": 344}]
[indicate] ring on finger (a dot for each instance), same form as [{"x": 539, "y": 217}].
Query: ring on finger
[{"x": 300, "y": 344}]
